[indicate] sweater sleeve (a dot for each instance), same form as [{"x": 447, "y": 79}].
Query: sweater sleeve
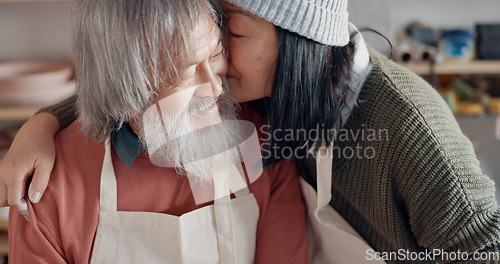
[
  {"x": 451, "y": 205},
  {"x": 64, "y": 111}
]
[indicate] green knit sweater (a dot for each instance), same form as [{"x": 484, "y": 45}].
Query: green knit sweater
[{"x": 419, "y": 185}]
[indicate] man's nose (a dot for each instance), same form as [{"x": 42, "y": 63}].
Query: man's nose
[{"x": 212, "y": 74}]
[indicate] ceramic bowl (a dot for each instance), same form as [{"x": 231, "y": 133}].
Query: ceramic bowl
[
  {"x": 40, "y": 97},
  {"x": 33, "y": 75}
]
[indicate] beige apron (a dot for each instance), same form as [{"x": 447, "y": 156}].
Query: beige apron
[
  {"x": 331, "y": 238},
  {"x": 221, "y": 233}
]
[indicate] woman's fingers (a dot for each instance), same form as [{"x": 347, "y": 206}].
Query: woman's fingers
[
  {"x": 3, "y": 195},
  {"x": 15, "y": 193},
  {"x": 40, "y": 180},
  {"x": 32, "y": 152}
]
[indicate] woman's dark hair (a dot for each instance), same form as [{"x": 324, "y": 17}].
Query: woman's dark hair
[{"x": 309, "y": 88}]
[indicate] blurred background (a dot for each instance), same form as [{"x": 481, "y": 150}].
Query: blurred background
[{"x": 453, "y": 44}]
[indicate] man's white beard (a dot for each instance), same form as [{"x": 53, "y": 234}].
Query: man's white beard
[{"x": 194, "y": 148}]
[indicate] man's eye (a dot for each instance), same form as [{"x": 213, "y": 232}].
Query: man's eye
[{"x": 216, "y": 56}]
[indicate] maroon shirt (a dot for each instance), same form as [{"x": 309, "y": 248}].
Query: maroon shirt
[{"x": 63, "y": 224}]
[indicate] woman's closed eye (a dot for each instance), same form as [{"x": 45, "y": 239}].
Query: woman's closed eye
[{"x": 235, "y": 35}]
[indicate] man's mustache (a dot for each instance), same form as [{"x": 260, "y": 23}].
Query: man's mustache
[
  {"x": 199, "y": 104},
  {"x": 247, "y": 129}
]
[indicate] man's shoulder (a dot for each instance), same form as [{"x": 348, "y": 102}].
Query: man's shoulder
[
  {"x": 78, "y": 162},
  {"x": 68, "y": 211},
  {"x": 71, "y": 143},
  {"x": 71, "y": 133}
]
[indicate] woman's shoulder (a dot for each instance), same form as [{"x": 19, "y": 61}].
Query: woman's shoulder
[
  {"x": 420, "y": 125},
  {"x": 389, "y": 77},
  {"x": 392, "y": 90}
]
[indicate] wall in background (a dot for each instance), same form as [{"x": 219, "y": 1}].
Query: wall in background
[
  {"x": 38, "y": 30},
  {"x": 443, "y": 13},
  {"x": 376, "y": 16},
  {"x": 390, "y": 16},
  {"x": 41, "y": 30}
]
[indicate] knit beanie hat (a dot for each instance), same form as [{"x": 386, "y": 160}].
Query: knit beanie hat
[{"x": 325, "y": 21}]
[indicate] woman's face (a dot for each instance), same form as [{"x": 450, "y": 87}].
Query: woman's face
[{"x": 253, "y": 50}]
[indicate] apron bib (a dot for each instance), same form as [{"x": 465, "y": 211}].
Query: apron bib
[
  {"x": 224, "y": 232},
  {"x": 332, "y": 239}
]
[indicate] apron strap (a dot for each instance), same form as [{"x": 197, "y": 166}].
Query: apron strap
[
  {"x": 242, "y": 192},
  {"x": 108, "y": 193},
  {"x": 324, "y": 159},
  {"x": 237, "y": 182},
  {"x": 223, "y": 212}
]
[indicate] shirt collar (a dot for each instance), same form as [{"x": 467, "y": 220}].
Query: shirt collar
[
  {"x": 127, "y": 145},
  {"x": 360, "y": 69}
]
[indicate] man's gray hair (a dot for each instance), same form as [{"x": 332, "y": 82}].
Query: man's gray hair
[{"x": 125, "y": 50}]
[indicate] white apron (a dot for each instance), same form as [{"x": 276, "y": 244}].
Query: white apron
[
  {"x": 205, "y": 235},
  {"x": 331, "y": 238}
]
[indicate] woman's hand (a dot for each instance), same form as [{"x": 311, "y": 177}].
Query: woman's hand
[{"x": 32, "y": 153}]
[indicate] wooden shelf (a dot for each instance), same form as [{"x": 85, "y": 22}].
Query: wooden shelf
[
  {"x": 17, "y": 113},
  {"x": 4, "y": 244},
  {"x": 474, "y": 67},
  {"x": 4, "y": 225},
  {"x": 4, "y": 238}
]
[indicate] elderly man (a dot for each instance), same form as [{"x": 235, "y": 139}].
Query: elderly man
[{"x": 150, "y": 88}]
